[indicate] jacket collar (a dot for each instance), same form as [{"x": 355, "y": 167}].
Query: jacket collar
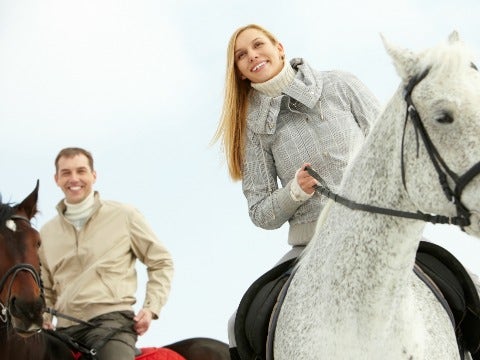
[
  {"x": 61, "y": 207},
  {"x": 263, "y": 110}
]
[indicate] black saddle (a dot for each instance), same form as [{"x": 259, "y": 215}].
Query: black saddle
[{"x": 440, "y": 270}]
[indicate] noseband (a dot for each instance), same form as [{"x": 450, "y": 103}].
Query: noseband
[
  {"x": 442, "y": 169},
  {"x": 444, "y": 172},
  {"x": 13, "y": 272}
]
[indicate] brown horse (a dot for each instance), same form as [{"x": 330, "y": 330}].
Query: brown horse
[
  {"x": 201, "y": 349},
  {"x": 22, "y": 303},
  {"x": 21, "y": 294}
]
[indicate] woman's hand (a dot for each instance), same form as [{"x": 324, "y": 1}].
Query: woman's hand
[{"x": 305, "y": 181}]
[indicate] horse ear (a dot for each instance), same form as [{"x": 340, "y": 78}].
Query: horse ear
[
  {"x": 29, "y": 204},
  {"x": 404, "y": 60},
  {"x": 453, "y": 37}
]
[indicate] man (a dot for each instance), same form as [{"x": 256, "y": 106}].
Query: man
[{"x": 88, "y": 256}]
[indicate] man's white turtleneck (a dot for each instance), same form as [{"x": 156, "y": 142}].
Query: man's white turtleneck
[
  {"x": 78, "y": 214},
  {"x": 276, "y": 85}
]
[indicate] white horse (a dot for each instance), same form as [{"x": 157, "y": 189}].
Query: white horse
[{"x": 354, "y": 294}]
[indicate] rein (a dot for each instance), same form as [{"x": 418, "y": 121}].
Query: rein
[
  {"x": 54, "y": 312},
  {"x": 434, "y": 219},
  {"x": 93, "y": 350},
  {"x": 454, "y": 195}
]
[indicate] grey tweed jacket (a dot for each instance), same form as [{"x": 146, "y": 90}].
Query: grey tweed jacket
[{"x": 321, "y": 118}]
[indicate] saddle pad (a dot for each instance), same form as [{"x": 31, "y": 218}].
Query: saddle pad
[
  {"x": 254, "y": 311},
  {"x": 458, "y": 289},
  {"x": 153, "y": 353}
]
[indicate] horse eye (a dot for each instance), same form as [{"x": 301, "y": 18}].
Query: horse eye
[
  {"x": 444, "y": 119},
  {"x": 474, "y": 66}
]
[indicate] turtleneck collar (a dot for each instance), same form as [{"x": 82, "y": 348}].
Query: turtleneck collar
[
  {"x": 79, "y": 213},
  {"x": 276, "y": 85}
]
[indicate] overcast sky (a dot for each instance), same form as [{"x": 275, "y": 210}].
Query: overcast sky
[{"x": 140, "y": 84}]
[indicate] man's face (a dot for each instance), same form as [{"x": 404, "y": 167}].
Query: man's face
[{"x": 75, "y": 178}]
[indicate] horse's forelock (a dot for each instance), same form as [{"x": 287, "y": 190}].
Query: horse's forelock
[
  {"x": 451, "y": 57},
  {"x": 6, "y": 211}
]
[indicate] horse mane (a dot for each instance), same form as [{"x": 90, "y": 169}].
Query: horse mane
[{"x": 6, "y": 211}]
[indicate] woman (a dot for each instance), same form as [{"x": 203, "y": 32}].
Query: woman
[{"x": 278, "y": 117}]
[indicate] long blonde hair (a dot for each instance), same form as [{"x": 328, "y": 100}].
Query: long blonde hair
[{"x": 233, "y": 121}]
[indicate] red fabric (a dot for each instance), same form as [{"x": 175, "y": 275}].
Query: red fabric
[{"x": 153, "y": 353}]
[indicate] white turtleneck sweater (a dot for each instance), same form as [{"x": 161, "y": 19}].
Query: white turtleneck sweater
[
  {"x": 276, "y": 85},
  {"x": 78, "y": 214}
]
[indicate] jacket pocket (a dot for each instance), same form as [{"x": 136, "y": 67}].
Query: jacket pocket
[{"x": 113, "y": 282}]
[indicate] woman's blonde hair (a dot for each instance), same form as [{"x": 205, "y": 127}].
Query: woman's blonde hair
[{"x": 233, "y": 121}]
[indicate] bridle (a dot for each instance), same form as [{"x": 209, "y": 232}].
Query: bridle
[
  {"x": 12, "y": 273},
  {"x": 444, "y": 172},
  {"x": 462, "y": 218}
]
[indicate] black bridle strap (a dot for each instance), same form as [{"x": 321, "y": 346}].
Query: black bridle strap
[
  {"x": 466, "y": 178},
  {"x": 453, "y": 195},
  {"x": 16, "y": 269},
  {"x": 22, "y": 266},
  {"x": 440, "y": 167},
  {"x": 406, "y": 95},
  {"x": 437, "y": 161},
  {"x": 434, "y": 219},
  {"x": 13, "y": 271},
  {"x": 463, "y": 217}
]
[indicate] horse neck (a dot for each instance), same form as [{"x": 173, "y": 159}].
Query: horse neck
[
  {"x": 373, "y": 254},
  {"x": 3, "y": 336},
  {"x": 13, "y": 347}
]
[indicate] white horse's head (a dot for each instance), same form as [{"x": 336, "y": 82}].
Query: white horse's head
[{"x": 443, "y": 86}]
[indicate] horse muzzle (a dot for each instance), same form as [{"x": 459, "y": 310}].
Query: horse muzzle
[{"x": 26, "y": 316}]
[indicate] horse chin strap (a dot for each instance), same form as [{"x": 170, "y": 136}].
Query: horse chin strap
[{"x": 444, "y": 172}]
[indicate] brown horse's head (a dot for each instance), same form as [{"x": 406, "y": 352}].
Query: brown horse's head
[{"x": 21, "y": 296}]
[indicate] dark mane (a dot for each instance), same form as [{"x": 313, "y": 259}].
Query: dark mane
[{"x": 6, "y": 211}]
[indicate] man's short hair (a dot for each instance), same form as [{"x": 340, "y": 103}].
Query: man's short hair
[{"x": 70, "y": 152}]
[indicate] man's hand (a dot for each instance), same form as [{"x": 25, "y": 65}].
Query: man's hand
[
  {"x": 142, "y": 321},
  {"x": 47, "y": 325}
]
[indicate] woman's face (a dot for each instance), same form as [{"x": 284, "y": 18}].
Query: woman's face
[{"x": 256, "y": 57}]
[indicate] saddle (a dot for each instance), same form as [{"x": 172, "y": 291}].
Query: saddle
[{"x": 259, "y": 307}]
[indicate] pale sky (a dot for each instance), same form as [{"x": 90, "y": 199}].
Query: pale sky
[{"x": 140, "y": 83}]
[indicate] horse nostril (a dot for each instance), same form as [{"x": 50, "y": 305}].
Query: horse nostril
[
  {"x": 15, "y": 309},
  {"x": 27, "y": 310},
  {"x": 13, "y": 301}
]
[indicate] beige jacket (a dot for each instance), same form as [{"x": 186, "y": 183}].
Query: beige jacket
[{"x": 90, "y": 272}]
